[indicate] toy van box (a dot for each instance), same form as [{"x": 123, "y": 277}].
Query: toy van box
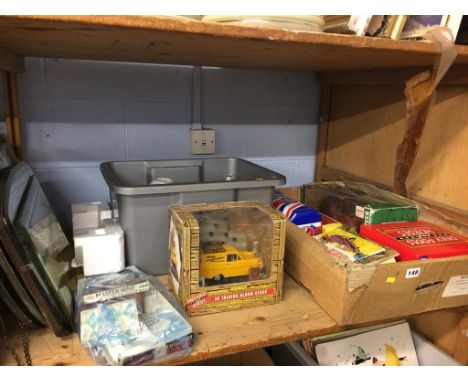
[
  {"x": 365, "y": 293},
  {"x": 226, "y": 256}
]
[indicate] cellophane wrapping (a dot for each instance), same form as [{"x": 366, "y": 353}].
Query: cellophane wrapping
[{"x": 130, "y": 318}]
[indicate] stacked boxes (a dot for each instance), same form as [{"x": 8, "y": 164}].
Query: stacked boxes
[{"x": 356, "y": 293}]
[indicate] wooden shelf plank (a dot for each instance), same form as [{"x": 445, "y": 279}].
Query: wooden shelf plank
[
  {"x": 177, "y": 40},
  {"x": 297, "y": 316},
  {"x": 10, "y": 62}
]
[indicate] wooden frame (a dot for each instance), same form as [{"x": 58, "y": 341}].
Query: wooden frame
[{"x": 11, "y": 105}]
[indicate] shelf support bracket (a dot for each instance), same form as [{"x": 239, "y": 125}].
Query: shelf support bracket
[
  {"x": 10, "y": 61},
  {"x": 11, "y": 105},
  {"x": 420, "y": 93}
]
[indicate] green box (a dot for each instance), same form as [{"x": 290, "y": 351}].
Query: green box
[
  {"x": 376, "y": 213},
  {"x": 354, "y": 204}
]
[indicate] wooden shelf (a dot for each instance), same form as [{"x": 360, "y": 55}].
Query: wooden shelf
[
  {"x": 297, "y": 316},
  {"x": 178, "y": 40}
]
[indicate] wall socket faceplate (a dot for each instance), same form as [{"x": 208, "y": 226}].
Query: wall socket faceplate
[{"x": 202, "y": 141}]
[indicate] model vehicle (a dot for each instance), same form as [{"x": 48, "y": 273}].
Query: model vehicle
[
  {"x": 346, "y": 243},
  {"x": 219, "y": 261}
]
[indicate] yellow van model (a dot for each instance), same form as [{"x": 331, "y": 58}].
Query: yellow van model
[{"x": 219, "y": 261}]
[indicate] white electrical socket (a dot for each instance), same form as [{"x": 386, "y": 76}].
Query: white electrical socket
[{"x": 202, "y": 141}]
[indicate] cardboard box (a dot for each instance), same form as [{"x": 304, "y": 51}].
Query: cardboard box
[
  {"x": 363, "y": 293},
  {"x": 226, "y": 256}
]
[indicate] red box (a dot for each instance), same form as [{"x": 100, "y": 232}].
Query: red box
[{"x": 416, "y": 240}]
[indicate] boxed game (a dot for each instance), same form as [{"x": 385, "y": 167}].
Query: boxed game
[
  {"x": 417, "y": 240},
  {"x": 354, "y": 204},
  {"x": 225, "y": 256}
]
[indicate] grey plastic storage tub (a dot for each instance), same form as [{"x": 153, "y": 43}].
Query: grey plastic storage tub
[{"x": 145, "y": 189}]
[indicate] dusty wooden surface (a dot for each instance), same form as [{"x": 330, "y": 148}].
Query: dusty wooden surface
[
  {"x": 297, "y": 316},
  {"x": 419, "y": 95},
  {"x": 456, "y": 75},
  {"x": 12, "y": 114},
  {"x": 367, "y": 123},
  {"x": 448, "y": 329},
  {"x": 176, "y": 40},
  {"x": 324, "y": 120}
]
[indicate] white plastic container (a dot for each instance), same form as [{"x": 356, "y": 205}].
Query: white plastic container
[
  {"x": 86, "y": 215},
  {"x": 98, "y": 240},
  {"x": 89, "y": 215}
]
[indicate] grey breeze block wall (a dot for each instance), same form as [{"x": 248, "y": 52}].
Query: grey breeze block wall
[{"x": 77, "y": 114}]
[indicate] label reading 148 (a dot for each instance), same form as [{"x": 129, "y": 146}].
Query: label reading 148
[{"x": 413, "y": 272}]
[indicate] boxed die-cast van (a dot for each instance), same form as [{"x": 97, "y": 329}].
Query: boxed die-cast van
[
  {"x": 221, "y": 261},
  {"x": 226, "y": 255}
]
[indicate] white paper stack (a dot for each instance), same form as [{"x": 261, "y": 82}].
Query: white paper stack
[{"x": 99, "y": 240}]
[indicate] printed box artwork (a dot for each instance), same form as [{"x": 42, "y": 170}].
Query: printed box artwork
[
  {"x": 417, "y": 240},
  {"x": 225, "y": 256},
  {"x": 129, "y": 318},
  {"x": 391, "y": 346},
  {"x": 353, "y": 204},
  {"x": 298, "y": 213},
  {"x": 344, "y": 246}
]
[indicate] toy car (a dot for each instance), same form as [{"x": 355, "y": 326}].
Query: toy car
[{"x": 219, "y": 261}]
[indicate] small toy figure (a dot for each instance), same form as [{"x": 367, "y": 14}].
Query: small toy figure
[
  {"x": 361, "y": 356},
  {"x": 221, "y": 261},
  {"x": 347, "y": 243}
]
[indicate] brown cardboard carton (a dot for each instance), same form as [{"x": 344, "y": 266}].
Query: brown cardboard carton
[{"x": 362, "y": 293}]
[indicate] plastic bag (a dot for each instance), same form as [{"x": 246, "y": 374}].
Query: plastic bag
[{"x": 130, "y": 318}]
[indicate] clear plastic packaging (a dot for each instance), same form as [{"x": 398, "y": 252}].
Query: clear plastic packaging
[
  {"x": 130, "y": 318},
  {"x": 235, "y": 245},
  {"x": 354, "y": 204}
]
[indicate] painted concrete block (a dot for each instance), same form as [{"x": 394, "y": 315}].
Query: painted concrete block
[{"x": 282, "y": 140}]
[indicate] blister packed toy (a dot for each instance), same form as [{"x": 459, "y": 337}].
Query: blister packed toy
[{"x": 129, "y": 318}]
